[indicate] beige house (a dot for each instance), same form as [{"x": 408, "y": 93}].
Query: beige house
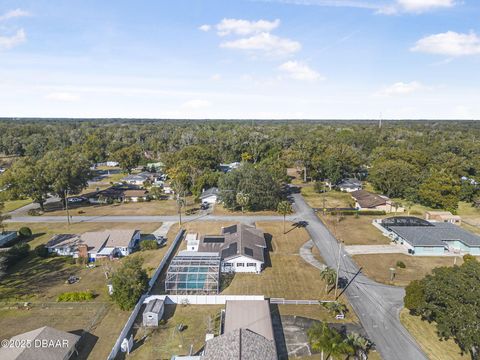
[
  {"x": 365, "y": 200},
  {"x": 443, "y": 216}
]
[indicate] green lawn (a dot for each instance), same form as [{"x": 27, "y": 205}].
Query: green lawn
[
  {"x": 331, "y": 199},
  {"x": 11, "y": 205}
]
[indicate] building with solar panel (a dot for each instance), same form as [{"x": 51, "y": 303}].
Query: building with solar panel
[{"x": 192, "y": 272}]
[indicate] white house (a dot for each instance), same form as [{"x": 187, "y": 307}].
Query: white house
[
  {"x": 192, "y": 241},
  {"x": 349, "y": 185},
  {"x": 64, "y": 244},
  {"x": 210, "y": 195},
  {"x": 121, "y": 242}
]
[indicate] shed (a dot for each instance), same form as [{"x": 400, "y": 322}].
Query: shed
[{"x": 153, "y": 312}]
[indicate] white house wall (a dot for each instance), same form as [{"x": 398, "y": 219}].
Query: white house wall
[{"x": 239, "y": 264}]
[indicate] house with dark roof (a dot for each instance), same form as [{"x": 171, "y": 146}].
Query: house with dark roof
[
  {"x": 422, "y": 237},
  {"x": 365, "y": 200},
  {"x": 248, "y": 333},
  {"x": 349, "y": 185},
  {"x": 241, "y": 248},
  {"x": 46, "y": 343}
]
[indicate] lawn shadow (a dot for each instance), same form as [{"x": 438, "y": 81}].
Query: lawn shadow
[
  {"x": 278, "y": 333},
  {"x": 85, "y": 345},
  {"x": 268, "y": 241}
]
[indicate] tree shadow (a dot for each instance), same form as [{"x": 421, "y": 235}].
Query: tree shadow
[
  {"x": 85, "y": 345},
  {"x": 268, "y": 241}
]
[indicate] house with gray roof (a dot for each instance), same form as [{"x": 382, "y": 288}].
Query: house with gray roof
[
  {"x": 46, "y": 343},
  {"x": 241, "y": 248},
  {"x": 210, "y": 195},
  {"x": 248, "y": 333},
  {"x": 422, "y": 237}
]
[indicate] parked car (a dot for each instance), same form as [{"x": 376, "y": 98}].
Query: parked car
[{"x": 204, "y": 206}]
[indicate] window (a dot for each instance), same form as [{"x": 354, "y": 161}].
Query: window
[
  {"x": 227, "y": 264},
  {"x": 251, "y": 264},
  {"x": 240, "y": 264}
]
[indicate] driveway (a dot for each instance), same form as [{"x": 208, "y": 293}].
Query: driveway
[
  {"x": 376, "y": 305},
  {"x": 376, "y": 249}
]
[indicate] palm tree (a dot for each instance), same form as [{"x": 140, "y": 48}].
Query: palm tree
[
  {"x": 180, "y": 204},
  {"x": 326, "y": 340},
  {"x": 284, "y": 208},
  {"x": 328, "y": 275},
  {"x": 360, "y": 345},
  {"x": 243, "y": 200},
  {"x": 335, "y": 307}
]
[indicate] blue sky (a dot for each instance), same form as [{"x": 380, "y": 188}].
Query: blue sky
[{"x": 241, "y": 59}]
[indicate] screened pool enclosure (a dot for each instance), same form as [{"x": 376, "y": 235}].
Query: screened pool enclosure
[{"x": 193, "y": 273}]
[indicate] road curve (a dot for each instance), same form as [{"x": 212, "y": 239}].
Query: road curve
[{"x": 376, "y": 305}]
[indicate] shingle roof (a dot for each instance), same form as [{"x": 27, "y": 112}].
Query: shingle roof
[
  {"x": 154, "y": 306},
  {"x": 41, "y": 353},
  {"x": 240, "y": 344},
  {"x": 135, "y": 193},
  {"x": 350, "y": 183},
  {"x": 436, "y": 235},
  {"x": 60, "y": 240},
  {"x": 237, "y": 240},
  {"x": 249, "y": 314},
  {"x": 367, "y": 199},
  {"x": 209, "y": 192},
  {"x": 94, "y": 240},
  {"x": 120, "y": 238}
]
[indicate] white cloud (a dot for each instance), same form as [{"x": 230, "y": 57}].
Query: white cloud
[
  {"x": 216, "y": 77},
  {"x": 62, "y": 96},
  {"x": 401, "y": 88},
  {"x": 196, "y": 104},
  {"x": 14, "y": 14},
  {"x": 299, "y": 71},
  {"x": 245, "y": 27},
  {"x": 449, "y": 43},
  {"x": 7, "y": 42},
  {"x": 265, "y": 42},
  {"x": 205, "y": 27},
  {"x": 424, "y": 5}
]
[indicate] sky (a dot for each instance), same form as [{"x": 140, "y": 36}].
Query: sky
[{"x": 250, "y": 59}]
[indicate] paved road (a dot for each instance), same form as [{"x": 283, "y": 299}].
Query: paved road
[{"x": 376, "y": 305}]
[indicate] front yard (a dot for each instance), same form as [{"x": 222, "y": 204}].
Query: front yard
[{"x": 331, "y": 199}]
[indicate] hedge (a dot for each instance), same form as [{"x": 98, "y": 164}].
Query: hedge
[
  {"x": 357, "y": 212},
  {"x": 76, "y": 296}
]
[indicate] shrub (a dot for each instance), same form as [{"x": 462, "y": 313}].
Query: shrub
[
  {"x": 41, "y": 251},
  {"x": 469, "y": 257},
  {"x": 25, "y": 232},
  {"x": 148, "y": 245},
  {"x": 35, "y": 212},
  {"x": 401, "y": 264},
  {"x": 76, "y": 296},
  {"x": 319, "y": 187}
]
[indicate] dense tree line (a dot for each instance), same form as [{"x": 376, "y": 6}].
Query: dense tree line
[
  {"x": 421, "y": 161},
  {"x": 450, "y": 297}
]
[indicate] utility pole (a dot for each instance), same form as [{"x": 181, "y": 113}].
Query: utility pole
[
  {"x": 66, "y": 206},
  {"x": 338, "y": 268}
]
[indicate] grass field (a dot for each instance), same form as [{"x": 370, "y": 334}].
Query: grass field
[
  {"x": 355, "y": 231},
  {"x": 426, "y": 335},
  {"x": 377, "y": 266},
  {"x": 11, "y": 205},
  {"x": 37, "y": 279},
  {"x": 332, "y": 198},
  {"x": 165, "y": 341},
  {"x": 220, "y": 210}
]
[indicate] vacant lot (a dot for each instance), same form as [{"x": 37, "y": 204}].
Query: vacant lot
[
  {"x": 331, "y": 199},
  {"x": 166, "y": 340},
  {"x": 355, "y": 230},
  {"x": 426, "y": 336},
  {"x": 38, "y": 279},
  {"x": 287, "y": 275},
  {"x": 377, "y": 266}
]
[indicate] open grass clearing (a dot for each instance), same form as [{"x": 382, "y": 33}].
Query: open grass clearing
[
  {"x": 331, "y": 199},
  {"x": 426, "y": 335},
  {"x": 355, "y": 230},
  {"x": 165, "y": 341},
  {"x": 219, "y": 210},
  {"x": 11, "y": 205},
  {"x": 377, "y": 266}
]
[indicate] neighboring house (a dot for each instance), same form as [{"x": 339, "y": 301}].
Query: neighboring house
[
  {"x": 64, "y": 244},
  {"x": 229, "y": 167},
  {"x": 241, "y": 248},
  {"x": 7, "y": 236},
  {"x": 443, "y": 216},
  {"x": 210, "y": 195},
  {"x": 135, "y": 195},
  {"x": 60, "y": 345},
  {"x": 95, "y": 244},
  {"x": 108, "y": 163},
  {"x": 153, "y": 313},
  {"x": 141, "y": 178},
  {"x": 248, "y": 333},
  {"x": 365, "y": 200},
  {"x": 422, "y": 237},
  {"x": 349, "y": 185}
]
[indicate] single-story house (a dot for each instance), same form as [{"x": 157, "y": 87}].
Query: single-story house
[
  {"x": 95, "y": 244},
  {"x": 229, "y": 167},
  {"x": 141, "y": 178},
  {"x": 153, "y": 312},
  {"x": 135, "y": 195},
  {"x": 349, "y": 185},
  {"x": 422, "y": 237},
  {"x": 248, "y": 333},
  {"x": 443, "y": 216},
  {"x": 241, "y": 248},
  {"x": 365, "y": 200},
  {"x": 210, "y": 195},
  {"x": 7, "y": 236},
  {"x": 46, "y": 343}
]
